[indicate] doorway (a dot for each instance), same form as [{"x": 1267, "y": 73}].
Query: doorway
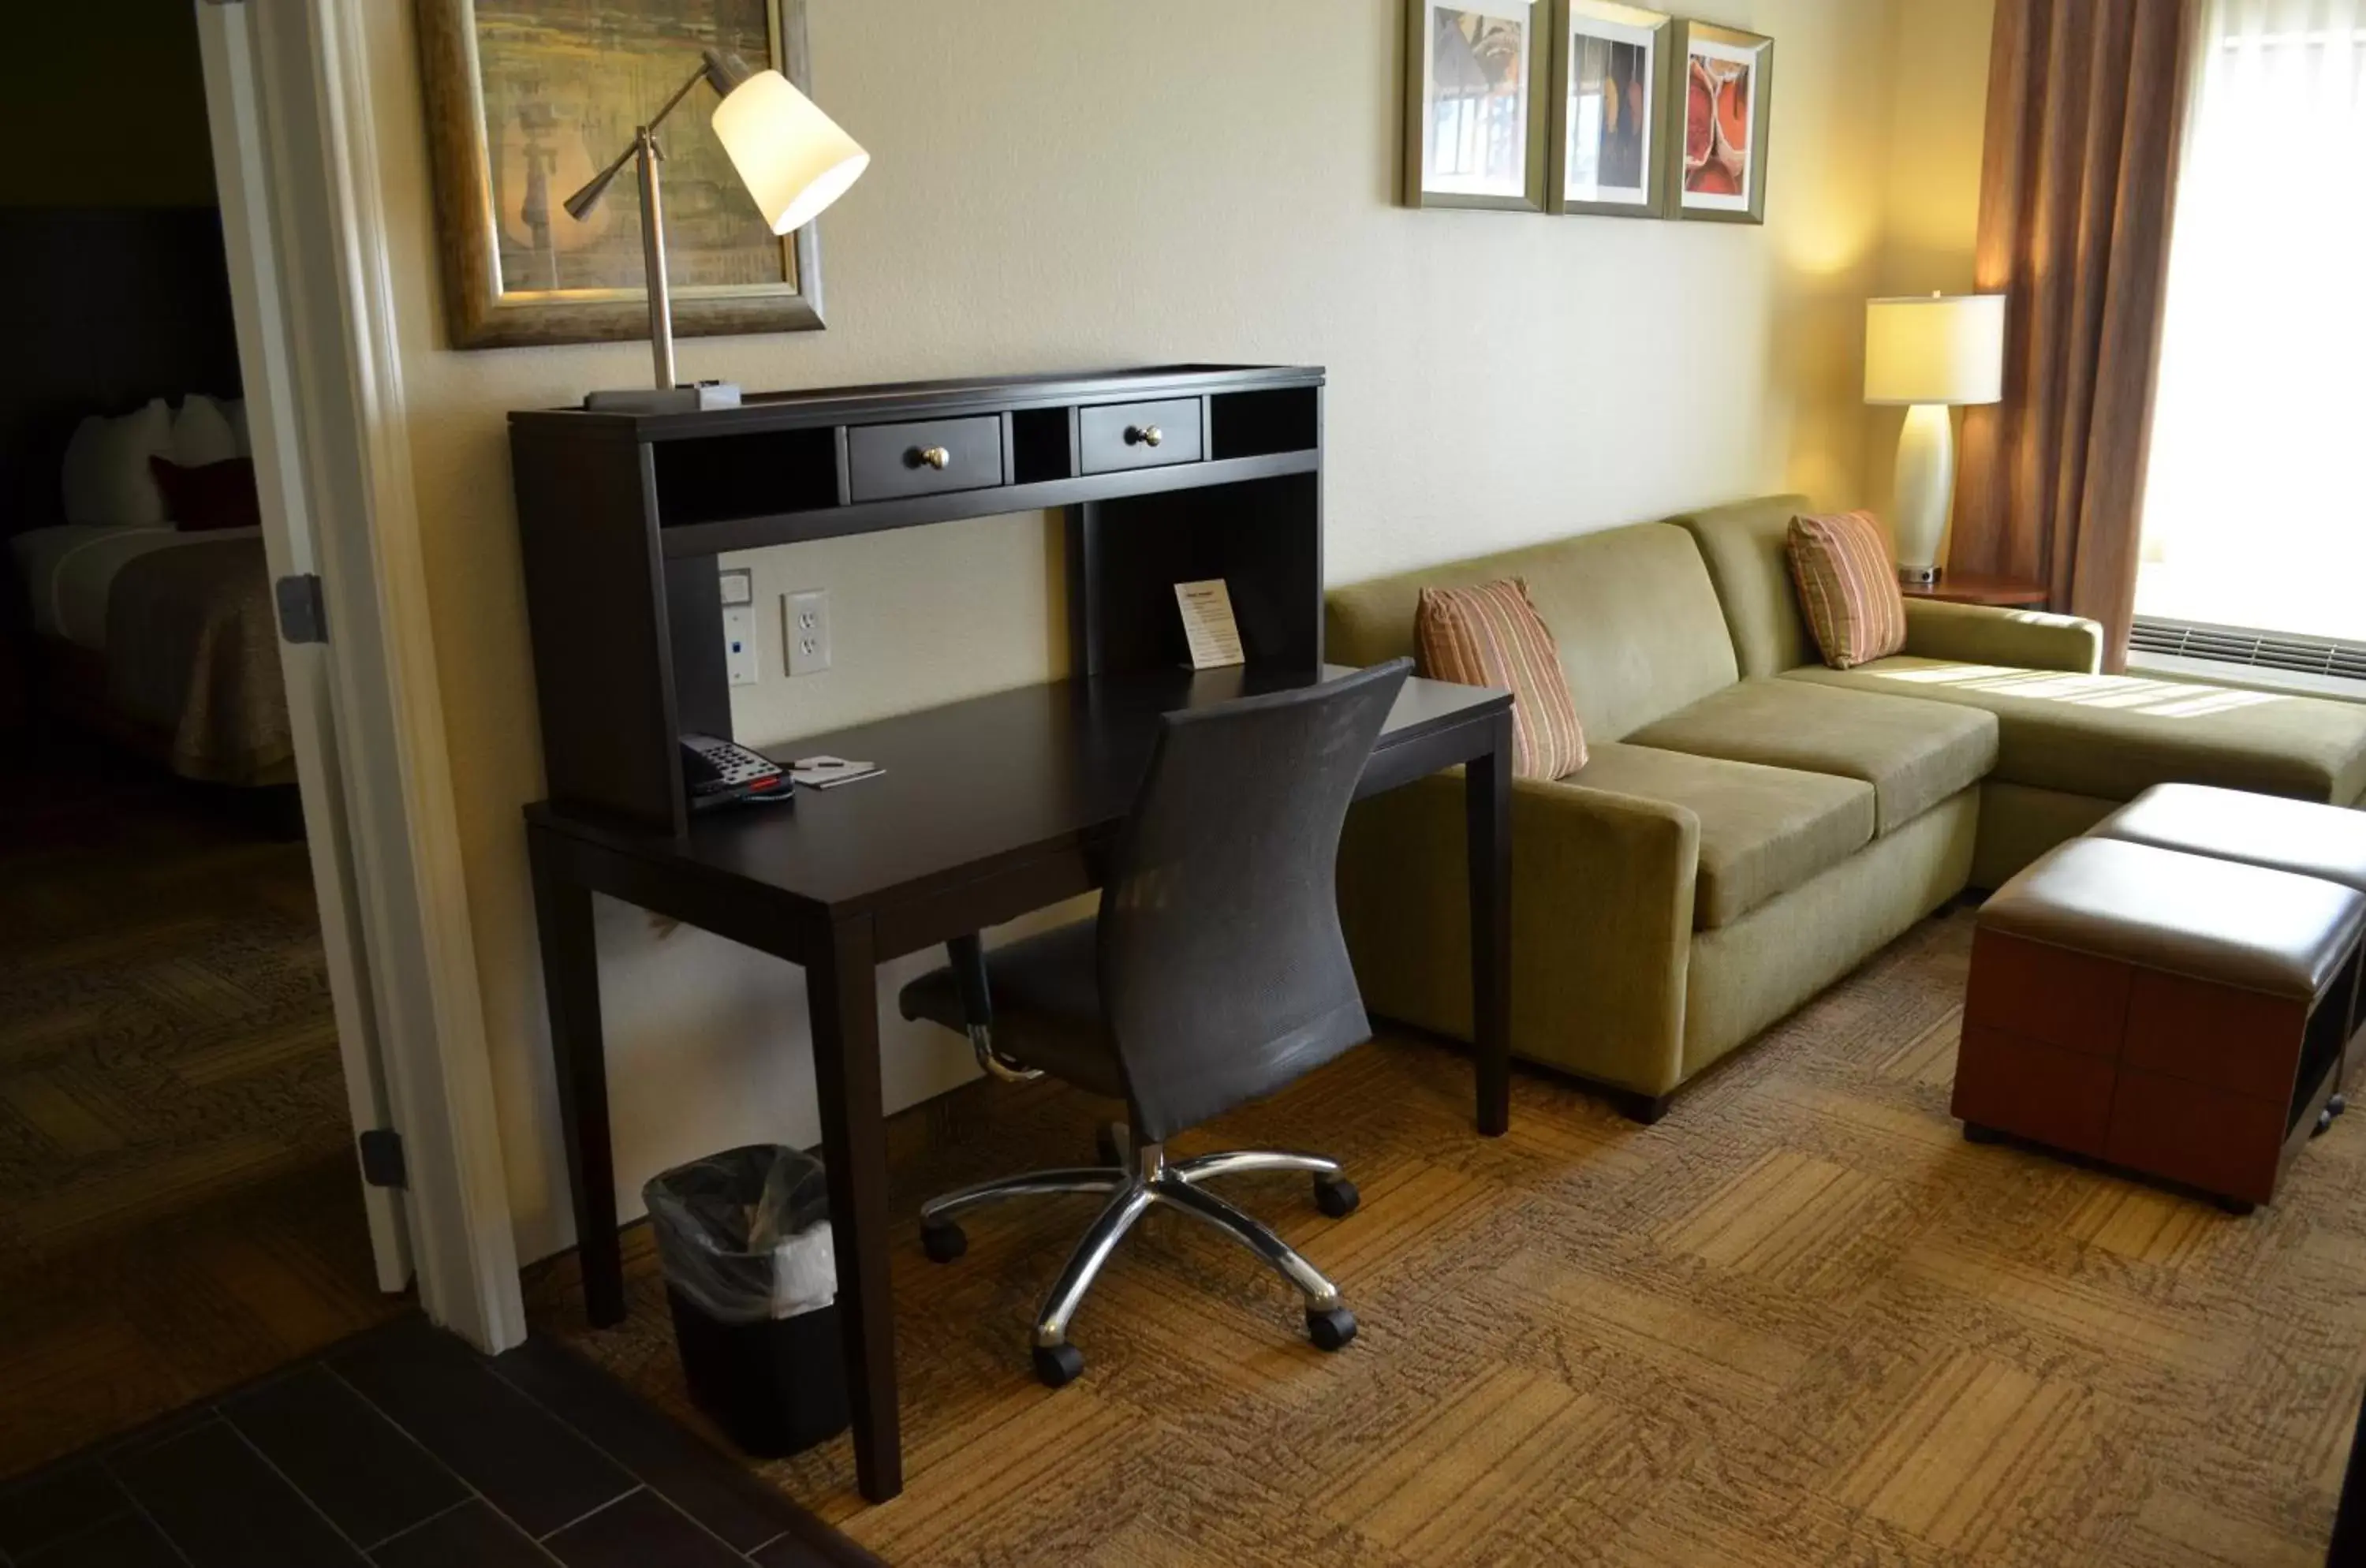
[{"x": 187, "y": 1046}]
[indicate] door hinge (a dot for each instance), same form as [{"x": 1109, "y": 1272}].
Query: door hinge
[
  {"x": 382, "y": 1157},
  {"x": 303, "y": 617}
]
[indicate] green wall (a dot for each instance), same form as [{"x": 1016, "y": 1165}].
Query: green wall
[{"x": 104, "y": 105}]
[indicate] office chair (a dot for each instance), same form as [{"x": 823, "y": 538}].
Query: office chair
[{"x": 1215, "y": 975}]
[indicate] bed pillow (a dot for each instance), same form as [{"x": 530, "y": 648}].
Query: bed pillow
[
  {"x": 106, "y": 483},
  {"x": 203, "y": 433},
  {"x": 1848, "y": 587},
  {"x": 1489, "y": 634},
  {"x": 211, "y": 496}
]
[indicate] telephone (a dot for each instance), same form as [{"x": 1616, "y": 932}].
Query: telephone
[{"x": 719, "y": 772}]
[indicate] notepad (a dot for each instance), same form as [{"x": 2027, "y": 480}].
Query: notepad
[{"x": 828, "y": 772}]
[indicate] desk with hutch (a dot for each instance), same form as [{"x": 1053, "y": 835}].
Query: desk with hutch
[{"x": 988, "y": 808}]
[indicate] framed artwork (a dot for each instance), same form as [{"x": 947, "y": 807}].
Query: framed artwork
[
  {"x": 1612, "y": 68},
  {"x": 1718, "y": 122},
  {"x": 527, "y": 100},
  {"x": 1474, "y": 121}
]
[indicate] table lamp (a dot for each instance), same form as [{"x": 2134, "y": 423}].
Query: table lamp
[
  {"x": 1931, "y": 354},
  {"x": 794, "y": 160}
]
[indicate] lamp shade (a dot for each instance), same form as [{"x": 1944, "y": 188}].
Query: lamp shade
[
  {"x": 1940, "y": 349},
  {"x": 794, "y": 159}
]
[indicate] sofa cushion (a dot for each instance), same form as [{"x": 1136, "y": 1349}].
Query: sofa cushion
[
  {"x": 1744, "y": 546},
  {"x": 1631, "y": 609},
  {"x": 1914, "y": 754},
  {"x": 2113, "y": 737},
  {"x": 1491, "y": 636},
  {"x": 1848, "y": 587},
  {"x": 1762, "y": 830}
]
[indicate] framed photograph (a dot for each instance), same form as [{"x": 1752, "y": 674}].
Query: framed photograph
[
  {"x": 527, "y": 100},
  {"x": 1612, "y": 67},
  {"x": 1475, "y": 111},
  {"x": 1719, "y": 122}
]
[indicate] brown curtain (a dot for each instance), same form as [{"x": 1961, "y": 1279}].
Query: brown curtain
[{"x": 2086, "y": 108}]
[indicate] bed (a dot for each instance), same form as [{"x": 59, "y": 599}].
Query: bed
[{"x": 160, "y": 639}]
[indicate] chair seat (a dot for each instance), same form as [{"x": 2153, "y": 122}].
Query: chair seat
[
  {"x": 1914, "y": 754},
  {"x": 1762, "y": 830},
  {"x": 1047, "y": 1006},
  {"x": 2113, "y": 737}
]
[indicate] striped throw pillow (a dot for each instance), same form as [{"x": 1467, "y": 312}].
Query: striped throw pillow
[
  {"x": 1491, "y": 635},
  {"x": 1848, "y": 587}
]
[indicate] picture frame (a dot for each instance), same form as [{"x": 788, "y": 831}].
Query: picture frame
[
  {"x": 1614, "y": 70},
  {"x": 1725, "y": 84},
  {"x": 1477, "y": 74},
  {"x": 526, "y": 101}
]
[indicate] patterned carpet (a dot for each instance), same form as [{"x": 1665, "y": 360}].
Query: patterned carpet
[
  {"x": 1798, "y": 1321},
  {"x": 178, "y": 1211}
]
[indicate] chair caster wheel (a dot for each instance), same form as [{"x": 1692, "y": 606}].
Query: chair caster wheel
[
  {"x": 943, "y": 1240},
  {"x": 1336, "y": 1196},
  {"x": 1330, "y": 1330},
  {"x": 1059, "y": 1365},
  {"x": 1976, "y": 1133},
  {"x": 2337, "y": 1104},
  {"x": 2324, "y": 1124},
  {"x": 2237, "y": 1207}
]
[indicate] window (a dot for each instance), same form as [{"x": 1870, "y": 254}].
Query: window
[{"x": 2254, "y": 510}]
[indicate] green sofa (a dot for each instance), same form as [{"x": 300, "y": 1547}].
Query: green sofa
[{"x": 1748, "y": 825}]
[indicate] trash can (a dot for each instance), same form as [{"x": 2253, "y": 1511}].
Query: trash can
[{"x": 752, "y": 1281}]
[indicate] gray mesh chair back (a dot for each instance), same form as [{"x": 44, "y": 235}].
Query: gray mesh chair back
[{"x": 1223, "y": 973}]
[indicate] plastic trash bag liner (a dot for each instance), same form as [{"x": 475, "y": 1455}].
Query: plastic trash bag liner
[{"x": 744, "y": 1235}]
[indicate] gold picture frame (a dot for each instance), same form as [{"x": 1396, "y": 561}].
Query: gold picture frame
[
  {"x": 527, "y": 98},
  {"x": 1609, "y": 157},
  {"x": 1476, "y": 78},
  {"x": 1710, "y": 178}
]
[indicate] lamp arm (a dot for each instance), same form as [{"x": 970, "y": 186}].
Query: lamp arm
[{"x": 712, "y": 69}]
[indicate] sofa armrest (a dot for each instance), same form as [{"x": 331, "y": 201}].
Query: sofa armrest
[
  {"x": 1601, "y": 919},
  {"x": 2017, "y": 639}
]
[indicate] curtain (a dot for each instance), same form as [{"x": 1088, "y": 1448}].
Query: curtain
[
  {"x": 2254, "y": 516},
  {"x": 2080, "y": 172}
]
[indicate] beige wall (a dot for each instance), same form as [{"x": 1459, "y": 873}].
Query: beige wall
[{"x": 1081, "y": 183}]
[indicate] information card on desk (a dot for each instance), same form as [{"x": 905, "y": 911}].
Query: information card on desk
[{"x": 1208, "y": 625}]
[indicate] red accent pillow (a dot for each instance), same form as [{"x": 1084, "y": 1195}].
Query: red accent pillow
[{"x": 215, "y": 495}]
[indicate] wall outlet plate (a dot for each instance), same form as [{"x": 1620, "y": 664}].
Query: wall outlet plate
[
  {"x": 804, "y": 624},
  {"x": 739, "y": 645}
]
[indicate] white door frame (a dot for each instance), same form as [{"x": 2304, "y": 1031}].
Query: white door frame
[{"x": 295, "y": 151}]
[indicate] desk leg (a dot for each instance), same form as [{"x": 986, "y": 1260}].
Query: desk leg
[
  {"x": 570, "y": 984},
  {"x": 842, "y": 992},
  {"x": 1487, "y": 811}
]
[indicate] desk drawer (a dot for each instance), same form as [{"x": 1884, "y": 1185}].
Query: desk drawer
[
  {"x": 884, "y": 461},
  {"x": 1116, "y": 436}
]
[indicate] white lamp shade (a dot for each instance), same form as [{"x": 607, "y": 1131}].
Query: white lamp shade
[
  {"x": 1935, "y": 350},
  {"x": 794, "y": 159}
]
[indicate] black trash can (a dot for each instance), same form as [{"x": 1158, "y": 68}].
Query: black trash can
[{"x": 750, "y": 1277}]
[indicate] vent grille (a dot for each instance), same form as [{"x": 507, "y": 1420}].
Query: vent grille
[{"x": 2264, "y": 650}]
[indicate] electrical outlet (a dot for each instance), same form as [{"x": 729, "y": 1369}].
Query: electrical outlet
[
  {"x": 739, "y": 645},
  {"x": 805, "y": 619}
]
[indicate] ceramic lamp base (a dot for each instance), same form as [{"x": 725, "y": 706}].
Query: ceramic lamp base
[{"x": 1926, "y": 483}]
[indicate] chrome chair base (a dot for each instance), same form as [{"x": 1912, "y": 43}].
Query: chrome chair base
[{"x": 1132, "y": 1188}]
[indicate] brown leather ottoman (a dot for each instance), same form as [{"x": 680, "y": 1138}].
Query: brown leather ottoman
[
  {"x": 2176, "y": 1014},
  {"x": 2306, "y": 837}
]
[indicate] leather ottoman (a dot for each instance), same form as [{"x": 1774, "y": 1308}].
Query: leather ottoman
[
  {"x": 2306, "y": 837},
  {"x": 2176, "y": 1014}
]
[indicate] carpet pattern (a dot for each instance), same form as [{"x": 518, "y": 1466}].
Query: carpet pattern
[
  {"x": 1802, "y": 1321},
  {"x": 179, "y": 1211}
]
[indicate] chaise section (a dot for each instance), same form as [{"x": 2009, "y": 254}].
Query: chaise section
[
  {"x": 1763, "y": 832},
  {"x": 2113, "y": 737},
  {"x": 1914, "y": 754}
]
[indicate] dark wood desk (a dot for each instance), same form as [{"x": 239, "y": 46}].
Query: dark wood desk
[{"x": 989, "y": 809}]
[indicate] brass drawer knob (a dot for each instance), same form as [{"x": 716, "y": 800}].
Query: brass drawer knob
[
  {"x": 935, "y": 458},
  {"x": 1144, "y": 435}
]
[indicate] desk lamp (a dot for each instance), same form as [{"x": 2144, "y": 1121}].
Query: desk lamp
[
  {"x": 1930, "y": 353},
  {"x": 794, "y": 160}
]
